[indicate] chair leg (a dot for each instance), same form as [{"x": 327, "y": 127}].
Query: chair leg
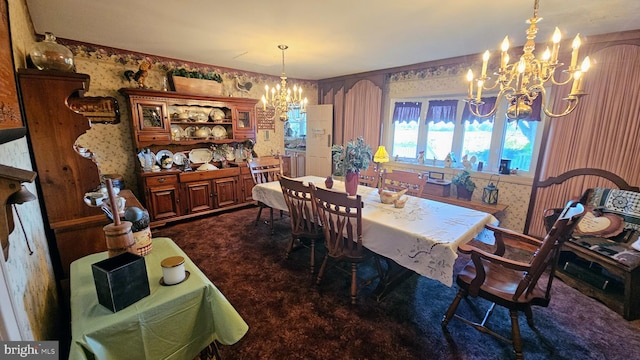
[
  {"x": 259, "y": 214},
  {"x": 290, "y": 247},
  {"x": 529, "y": 315},
  {"x": 271, "y": 217},
  {"x": 354, "y": 282},
  {"x": 452, "y": 308},
  {"x": 313, "y": 256},
  {"x": 322, "y": 269},
  {"x": 515, "y": 334}
]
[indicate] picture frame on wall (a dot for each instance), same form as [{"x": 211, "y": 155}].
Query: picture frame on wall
[{"x": 11, "y": 122}]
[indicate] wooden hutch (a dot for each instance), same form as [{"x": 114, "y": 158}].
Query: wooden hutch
[{"x": 159, "y": 123}]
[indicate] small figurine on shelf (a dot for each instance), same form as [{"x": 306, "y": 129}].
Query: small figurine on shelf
[
  {"x": 448, "y": 161},
  {"x": 139, "y": 76}
]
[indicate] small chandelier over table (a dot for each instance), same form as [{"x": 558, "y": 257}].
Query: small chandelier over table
[
  {"x": 522, "y": 82},
  {"x": 280, "y": 98}
]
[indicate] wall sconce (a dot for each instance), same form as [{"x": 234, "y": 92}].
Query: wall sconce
[
  {"x": 12, "y": 192},
  {"x": 490, "y": 192}
]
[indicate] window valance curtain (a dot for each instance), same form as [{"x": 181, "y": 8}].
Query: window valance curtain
[
  {"x": 482, "y": 109},
  {"x": 442, "y": 110},
  {"x": 406, "y": 111}
]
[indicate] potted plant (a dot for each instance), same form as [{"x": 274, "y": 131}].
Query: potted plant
[
  {"x": 196, "y": 82},
  {"x": 464, "y": 185},
  {"x": 349, "y": 160}
]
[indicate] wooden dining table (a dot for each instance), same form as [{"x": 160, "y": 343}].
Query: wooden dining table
[{"x": 422, "y": 237}]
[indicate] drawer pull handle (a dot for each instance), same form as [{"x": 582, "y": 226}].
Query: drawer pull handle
[{"x": 161, "y": 180}]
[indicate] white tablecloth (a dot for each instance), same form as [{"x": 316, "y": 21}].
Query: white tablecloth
[{"x": 423, "y": 236}]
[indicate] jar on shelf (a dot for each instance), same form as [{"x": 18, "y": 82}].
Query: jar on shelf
[{"x": 49, "y": 55}]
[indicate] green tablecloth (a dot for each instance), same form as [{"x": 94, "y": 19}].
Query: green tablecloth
[{"x": 173, "y": 322}]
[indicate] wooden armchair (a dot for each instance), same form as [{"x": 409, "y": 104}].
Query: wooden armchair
[
  {"x": 509, "y": 283},
  {"x": 265, "y": 169},
  {"x": 399, "y": 180},
  {"x": 305, "y": 226},
  {"x": 370, "y": 177},
  {"x": 341, "y": 218}
]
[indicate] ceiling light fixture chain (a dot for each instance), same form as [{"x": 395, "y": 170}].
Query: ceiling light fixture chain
[
  {"x": 280, "y": 98},
  {"x": 523, "y": 81}
]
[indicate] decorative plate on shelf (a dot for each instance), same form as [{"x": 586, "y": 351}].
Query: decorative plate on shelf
[
  {"x": 179, "y": 158},
  {"x": 200, "y": 156},
  {"x": 218, "y": 132},
  {"x": 176, "y": 132},
  {"x": 188, "y": 131},
  {"x": 163, "y": 153},
  {"x": 216, "y": 115}
]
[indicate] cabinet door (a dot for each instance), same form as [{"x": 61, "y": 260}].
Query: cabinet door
[
  {"x": 152, "y": 122},
  {"x": 319, "y": 140},
  {"x": 199, "y": 196},
  {"x": 300, "y": 164},
  {"x": 226, "y": 191},
  {"x": 163, "y": 202},
  {"x": 244, "y": 122},
  {"x": 246, "y": 188}
]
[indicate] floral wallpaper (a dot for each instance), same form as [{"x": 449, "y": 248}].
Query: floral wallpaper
[{"x": 112, "y": 144}]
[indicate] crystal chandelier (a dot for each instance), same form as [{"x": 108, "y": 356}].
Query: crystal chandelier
[
  {"x": 523, "y": 81},
  {"x": 280, "y": 98}
]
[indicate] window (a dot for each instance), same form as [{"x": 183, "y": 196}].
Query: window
[
  {"x": 444, "y": 126},
  {"x": 297, "y": 124}
]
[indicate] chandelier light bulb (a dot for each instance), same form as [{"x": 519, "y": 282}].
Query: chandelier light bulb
[
  {"x": 546, "y": 55},
  {"x": 505, "y": 44},
  {"x": 586, "y": 64}
]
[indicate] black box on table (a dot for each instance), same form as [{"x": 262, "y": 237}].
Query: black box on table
[{"x": 120, "y": 280}]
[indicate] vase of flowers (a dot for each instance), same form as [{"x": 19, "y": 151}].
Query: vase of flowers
[{"x": 349, "y": 160}]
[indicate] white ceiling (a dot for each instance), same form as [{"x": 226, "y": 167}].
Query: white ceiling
[{"x": 326, "y": 38}]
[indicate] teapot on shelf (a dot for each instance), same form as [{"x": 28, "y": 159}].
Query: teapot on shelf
[{"x": 182, "y": 116}]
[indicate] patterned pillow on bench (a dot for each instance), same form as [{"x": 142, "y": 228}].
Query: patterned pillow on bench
[{"x": 621, "y": 202}]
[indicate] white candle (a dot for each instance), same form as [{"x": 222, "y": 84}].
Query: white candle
[
  {"x": 485, "y": 61},
  {"x": 557, "y": 36},
  {"x": 577, "y": 81},
  {"x": 470, "y": 80},
  {"x": 504, "y": 57},
  {"x": 173, "y": 270},
  {"x": 574, "y": 54}
]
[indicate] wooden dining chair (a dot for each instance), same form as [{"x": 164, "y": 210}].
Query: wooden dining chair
[
  {"x": 370, "y": 177},
  {"x": 263, "y": 170},
  {"x": 305, "y": 226},
  {"x": 511, "y": 283},
  {"x": 341, "y": 218},
  {"x": 397, "y": 180}
]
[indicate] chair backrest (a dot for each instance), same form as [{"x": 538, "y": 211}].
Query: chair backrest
[
  {"x": 304, "y": 218},
  {"x": 398, "y": 180},
  {"x": 341, "y": 217},
  {"x": 265, "y": 169},
  {"x": 370, "y": 177},
  {"x": 548, "y": 252}
]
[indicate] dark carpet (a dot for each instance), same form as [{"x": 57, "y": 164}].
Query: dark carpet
[{"x": 290, "y": 318}]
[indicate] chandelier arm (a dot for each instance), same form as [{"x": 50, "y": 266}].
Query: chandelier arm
[
  {"x": 473, "y": 104},
  {"x": 563, "y": 82},
  {"x": 573, "y": 102},
  {"x": 495, "y": 84}
]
